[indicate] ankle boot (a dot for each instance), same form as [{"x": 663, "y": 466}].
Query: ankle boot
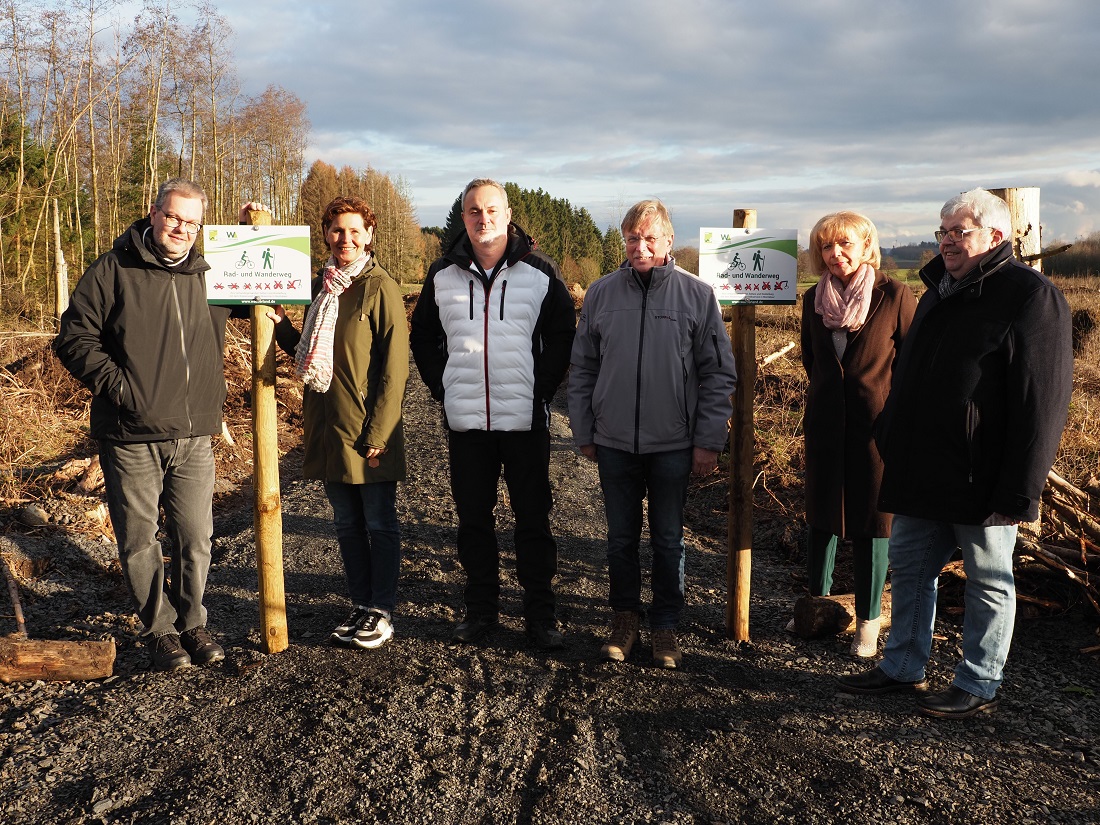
[{"x": 865, "y": 640}]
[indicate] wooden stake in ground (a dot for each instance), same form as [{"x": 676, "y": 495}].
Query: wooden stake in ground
[
  {"x": 268, "y": 508},
  {"x": 742, "y": 446}
]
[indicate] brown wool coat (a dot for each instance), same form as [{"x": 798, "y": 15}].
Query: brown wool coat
[
  {"x": 363, "y": 404},
  {"x": 843, "y": 468}
]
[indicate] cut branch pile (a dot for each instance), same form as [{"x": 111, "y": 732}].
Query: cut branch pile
[{"x": 1071, "y": 549}]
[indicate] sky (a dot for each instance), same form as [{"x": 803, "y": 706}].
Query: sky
[{"x": 795, "y": 108}]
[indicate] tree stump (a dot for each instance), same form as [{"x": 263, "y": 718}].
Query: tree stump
[{"x": 816, "y": 617}]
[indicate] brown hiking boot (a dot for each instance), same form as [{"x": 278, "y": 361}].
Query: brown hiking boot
[
  {"x": 666, "y": 652},
  {"x": 624, "y": 633}
]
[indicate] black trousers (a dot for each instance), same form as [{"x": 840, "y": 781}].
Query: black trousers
[{"x": 477, "y": 458}]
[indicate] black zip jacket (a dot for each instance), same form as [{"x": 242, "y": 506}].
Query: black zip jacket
[
  {"x": 979, "y": 397},
  {"x": 142, "y": 337}
]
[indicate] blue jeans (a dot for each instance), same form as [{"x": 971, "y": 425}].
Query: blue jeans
[
  {"x": 918, "y": 551},
  {"x": 369, "y": 536},
  {"x": 140, "y": 477},
  {"x": 627, "y": 479}
]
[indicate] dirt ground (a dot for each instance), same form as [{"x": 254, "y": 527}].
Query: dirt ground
[{"x": 424, "y": 731}]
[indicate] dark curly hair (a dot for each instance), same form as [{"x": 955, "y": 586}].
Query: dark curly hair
[{"x": 344, "y": 206}]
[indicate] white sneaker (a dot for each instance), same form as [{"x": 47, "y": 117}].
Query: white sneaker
[
  {"x": 374, "y": 630},
  {"x": 344, "y": 633},
  {"x": 865, "y": 640}
]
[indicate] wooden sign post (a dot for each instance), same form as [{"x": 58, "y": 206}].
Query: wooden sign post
[
  {"x": 1023, "y": 207},
  {"x": 742, "y": 447},
  {"x": 268, "y": 508}
]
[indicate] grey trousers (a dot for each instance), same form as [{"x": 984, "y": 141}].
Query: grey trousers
[{"x": 140, "y": 477}]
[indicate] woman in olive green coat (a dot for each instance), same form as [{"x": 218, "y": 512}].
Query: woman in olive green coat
[{"x": 353, "y": 354}]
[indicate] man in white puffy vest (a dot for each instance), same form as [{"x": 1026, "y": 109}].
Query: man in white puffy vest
[{"x": 491, "y": 336}]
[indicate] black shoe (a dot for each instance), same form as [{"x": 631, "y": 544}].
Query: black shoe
[
  {"x": 545, "y": 636},
  {"x": 473, "y": 628},
  {"x": 874, "y": 681},
  {"x": 954, "y": 703},
  {"x": 201, "y": 645},
  {"x": 168, "y": 654}
]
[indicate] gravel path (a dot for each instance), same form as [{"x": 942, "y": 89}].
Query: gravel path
[{"x": 420, "y": 731}]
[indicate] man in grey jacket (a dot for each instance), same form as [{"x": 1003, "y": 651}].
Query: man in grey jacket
[{"x": 651, "y": 376}]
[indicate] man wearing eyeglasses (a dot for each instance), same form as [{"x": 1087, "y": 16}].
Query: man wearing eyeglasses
[
  {"x": 140, "y": 334},
  {"x": 650, "y": 380},
  {"x": 970, "y": 429}
]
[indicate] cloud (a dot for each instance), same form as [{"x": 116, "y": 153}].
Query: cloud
[
  {"x": 799, "y": 108},
  {"x": 1089, "y": 177}
]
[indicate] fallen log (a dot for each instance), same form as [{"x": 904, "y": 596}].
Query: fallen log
[
  {"x": 1051, "y": 560},
  {"x": 816, "y": 617},
  {"x": 1066, "y": 488},
  {"x": 1074, "y": 517},
  {"x": 31, "y": 660},
  {"x": 25, "y": 660}
]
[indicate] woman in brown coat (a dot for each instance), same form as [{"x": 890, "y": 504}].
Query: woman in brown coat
[
  {"x": 853, "y": 323},
  {"x": 353, "y": 355}
]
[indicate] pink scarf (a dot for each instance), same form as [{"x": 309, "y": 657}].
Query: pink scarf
[
  {"x": 313, "y": 355},
  {"x": 847, "y": 307}
]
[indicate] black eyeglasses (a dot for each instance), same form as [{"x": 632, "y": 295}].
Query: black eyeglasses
[
  {"x": 955, "y": 234},
  {"x": 176, "y": 222}
]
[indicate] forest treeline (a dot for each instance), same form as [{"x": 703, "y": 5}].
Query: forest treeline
[{"x": 96, "y": 111}]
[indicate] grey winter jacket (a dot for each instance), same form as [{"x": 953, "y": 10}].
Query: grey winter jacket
[{"x": 652, "y": 368}]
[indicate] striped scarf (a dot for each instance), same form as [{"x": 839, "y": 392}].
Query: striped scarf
[{"x": 313, "y": 355}]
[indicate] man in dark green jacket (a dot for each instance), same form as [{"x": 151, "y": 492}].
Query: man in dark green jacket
[{"x": 140, "y": 334}]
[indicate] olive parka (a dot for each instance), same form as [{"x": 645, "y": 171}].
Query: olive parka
[
  {"x": 844, "y": 398},
  {"x": 370, "y": 367}
]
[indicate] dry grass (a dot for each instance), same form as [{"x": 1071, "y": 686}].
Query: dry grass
[
  {"x": 44, "y": 416},
  {"x": 44, "y": 412},
  {"x": 1079, "y": 455}
]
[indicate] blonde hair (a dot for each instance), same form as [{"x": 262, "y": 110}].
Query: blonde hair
[
  {"x": 850, "y": 225},
  {"x": 642, "y": 211}
]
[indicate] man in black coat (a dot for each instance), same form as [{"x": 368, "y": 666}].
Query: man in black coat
[
  {"x": 979, "y": 399},
  {"x": 140, "y": 334}
]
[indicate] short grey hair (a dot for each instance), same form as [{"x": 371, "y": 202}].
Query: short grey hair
[
  {"x": 180, "y": 186},
  {"x": 477, "y": 183},
  {"x": 985, "y": 208}
]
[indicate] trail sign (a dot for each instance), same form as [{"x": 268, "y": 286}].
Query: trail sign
[
  {"x": 257, "y": 264},
  {"x": 749, "y": 266}
]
